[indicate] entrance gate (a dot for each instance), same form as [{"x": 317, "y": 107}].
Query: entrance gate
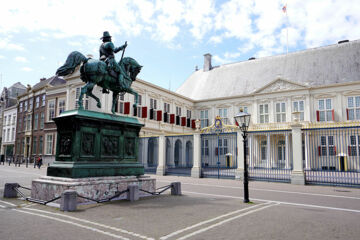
[
  {"x": 219, "y": 155},
  {"x": 179, "y": 155}
]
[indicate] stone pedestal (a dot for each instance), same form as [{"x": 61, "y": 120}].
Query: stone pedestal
[
  {"x": 94, "y": 144},
  {"x": 99, "y": 188},
  {"x": 239, "y": 174},
  {"x": 298, "y": 177}
]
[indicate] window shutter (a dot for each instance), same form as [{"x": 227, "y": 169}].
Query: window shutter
[
  {"x": 193, "y": 125},
  {"x": 334, "y": 150},
  {"x": 151, "y": 113},
  {"x": 127, "y": 108},
  {"x": 172, "y": 118},
  {"x": 165, "y": 116},
  {"x": 135, "y": 111},
  {"x": 349, "y": 150},
  {"x": 188, "y": 122},
  {"x": 333, "y": 114},
  {"x": 317, "y": 116},
  {"x": 216, "y": 151},
  {"x": 319, "y": 150},
  {"x": 236, "y": 123},
  {"x": 144, "y": 112},
  {"x": 159, "y": 115},
  {"x": 347, "y": 114},
  {"x": 177, "y": 120},
  {"x": 183, "y": 121}
]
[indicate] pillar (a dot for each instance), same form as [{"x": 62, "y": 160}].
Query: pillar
[
  {"x": 297, "y": 174},
  {"x": 239, "y": 173},
  {"x": 160, "y": 170},
  {"x": 196, "y": 169}
]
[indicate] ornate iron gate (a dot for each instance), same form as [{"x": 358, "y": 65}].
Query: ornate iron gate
[{"x": 219, "y": 155}]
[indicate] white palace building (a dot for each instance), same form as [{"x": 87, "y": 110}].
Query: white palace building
[{"x": 305, "y": 118}]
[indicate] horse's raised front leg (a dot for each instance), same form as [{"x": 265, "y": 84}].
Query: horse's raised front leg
[
  {"x": 83, "y": 90},
  {"x": 90, "y": 87},
  {"x": 114, "y": 101},
  {"x": 130, "y": 90}
]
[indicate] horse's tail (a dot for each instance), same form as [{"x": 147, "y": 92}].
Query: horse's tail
[{"x": 73, "y": 60}]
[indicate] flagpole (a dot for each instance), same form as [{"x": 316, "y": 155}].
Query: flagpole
[{"x": 287, "y": 32}]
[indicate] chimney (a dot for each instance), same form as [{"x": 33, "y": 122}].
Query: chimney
[
  {"x": 207, "y": 62},
  {"x": 42, "y": 79}
]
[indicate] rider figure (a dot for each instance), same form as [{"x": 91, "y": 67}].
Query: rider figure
[{"x": 107, "y": 50}]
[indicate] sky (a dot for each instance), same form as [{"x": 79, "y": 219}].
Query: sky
[{"x": 167, "y": 37}]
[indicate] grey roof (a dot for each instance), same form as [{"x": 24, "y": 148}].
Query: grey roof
[
  {"x": 313, "y": 67},
  {"x": 53, "y": 81}
]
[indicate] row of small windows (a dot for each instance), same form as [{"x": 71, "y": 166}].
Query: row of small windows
[
  {"x": 37, "y": 145},
  {"x": 28, "y": 104}
]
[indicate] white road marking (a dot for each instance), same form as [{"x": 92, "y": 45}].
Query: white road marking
[
  {"x": 287, "y": 203},
  {"x": 90, "y": 222},
  {"x": 74, "y": 224},
  {"x": 224, "y": 221},
  {"x": 1, "y": 206},
  {"x": 8, "y": 203},
  {"x": 208, "y": 221},
  {"x": 266, "y": 190}
]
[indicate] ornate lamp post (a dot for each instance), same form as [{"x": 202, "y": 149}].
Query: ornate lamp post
[{"x": 243, "y": 120}]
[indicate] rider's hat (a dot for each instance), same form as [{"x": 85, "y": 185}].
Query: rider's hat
[{"x": 106, "y": 34}]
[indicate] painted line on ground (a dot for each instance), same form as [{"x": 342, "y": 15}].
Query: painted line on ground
[
  {"x": 266, "y": 190},
  {"x": 74, "y": 224},
  {"x": 273, "y": 201},
  {"x": 90, "y": 222},
  {"x": 8, "y": 203},
  {"x": 209, "y": 221},
  {"x": 1, "y": 206},
  {"x": 224, "y": 221},
  {"x": 12, "y": 171}
]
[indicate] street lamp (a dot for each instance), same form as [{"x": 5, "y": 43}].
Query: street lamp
[{"x": 243, "y": 121}]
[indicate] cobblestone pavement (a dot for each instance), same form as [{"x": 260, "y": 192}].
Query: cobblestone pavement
[{"x": 208, "y": 209}]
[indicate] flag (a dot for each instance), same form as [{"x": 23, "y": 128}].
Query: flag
[{"x": 284, "y": 8}]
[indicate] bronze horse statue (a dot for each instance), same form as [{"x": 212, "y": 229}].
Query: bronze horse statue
[{"x": 94, "y": 72}]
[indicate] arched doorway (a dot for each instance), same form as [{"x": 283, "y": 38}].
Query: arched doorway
[
  {"x": 168, "y": 152},
  {"x": 189, "y": 154},
  {"x": 178, "y": 153},
  {"x": 151, "y": 161}
]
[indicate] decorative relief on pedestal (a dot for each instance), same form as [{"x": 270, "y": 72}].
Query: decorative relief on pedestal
[
  {"x": 130, "y": 146},
  {"x": 110, "y": 145},
  {"x": 87, "y": 143},
  {"x": 65, "y": 144}
]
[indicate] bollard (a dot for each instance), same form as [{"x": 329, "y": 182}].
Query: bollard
[
  {"x": 9, "y": 190},
  {"x": 68, "y": 201},
  {"x": 133, "y": 193},
  {"x": 176, "y": 188}
]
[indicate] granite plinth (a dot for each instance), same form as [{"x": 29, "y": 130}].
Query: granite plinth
[{"x": 99, "y": 188}]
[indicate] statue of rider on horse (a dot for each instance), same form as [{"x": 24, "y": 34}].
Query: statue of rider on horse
[{"x": 106, "y": 72}]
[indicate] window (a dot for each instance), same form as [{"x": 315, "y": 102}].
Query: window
[
  {"x": 153, "y": 103},
  {"x": 25, "y": 106},
  {"x": 353, "y": 111},
  {"x": 85, "y": 102},
  {"x": 298, "y": 106},
  {"x": 327, "y": 147},
  {"x": 4, "y": 134},
  {"x": 18, "y": 147},
  {"x": 353, "y": 147},
  {"x": 223, "y": 146},
  {"x": 9, "y": 119},
  {"x": 61, "y": 106},
  {"x": 263, "y": 150},
  {"x": 20, "y": 123},
  {"x": 325, "y": 112},
  {"x": 49, "y": 144},
  {"x": 188, "y": 113},
  {"x": 223, "y": 115},
  {"x": 37, "y": 101},
  {"x": 8, "y": 135},
  {"x": 36, "y": 121},
  {"x": 30, "y": 104},
  {"x": 167, "y": 107},
  {"x": 139, "y": 105},
  {"x": 13, "y": 134},
  {"x": 204, "y": 118},
  {"x": 41, "y": 145},
  {"x": 43, "y": 100},
  {"x": 24, "y": 124},
  {"x": 178, "y": 111},
  {"x": 14, "y": 119},
  {"x": 5, "y": 120},
  {"x": 205, "y": 147},
  {"x": 34, "y": 145},
  {"x": 264, "y": 113},
  {"x": 21, "y": 107},
  {"x": 51, "y": 109},
  {"x": 139, "y": 99},
  {"x": 280, "y": 112},
  {"x": 42, "y": 118},
  {"x": 28, "y": 122},
  {"x": 121, "y": 97}
]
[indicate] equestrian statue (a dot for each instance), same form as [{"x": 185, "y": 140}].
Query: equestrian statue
[{"x": 106, "y": 72}]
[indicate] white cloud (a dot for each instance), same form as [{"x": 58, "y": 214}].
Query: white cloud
[
  {"x": 26, "y": 69},
  {"x": 20, "y": 59},
  {"x": 42, "y": 58},
  {"x": 6, "y": 44}
]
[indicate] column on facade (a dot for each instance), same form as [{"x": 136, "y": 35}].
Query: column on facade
[
  {"x": 287, "y": 151},
  {"x": 160, "y": 170},
  {"x": 288, "y": 110},
  {"x": 239, "y": 174},
  {"x": 297, "y": 175},
  {"x": 196, "y": 169},
  {"x": 183, "y": 152},
  {"x": 268, "y": 151},
  {"x": 145, "y": 152},
  {"x": 307, "y": 164},
  {"x": 339, "y": 109}
]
